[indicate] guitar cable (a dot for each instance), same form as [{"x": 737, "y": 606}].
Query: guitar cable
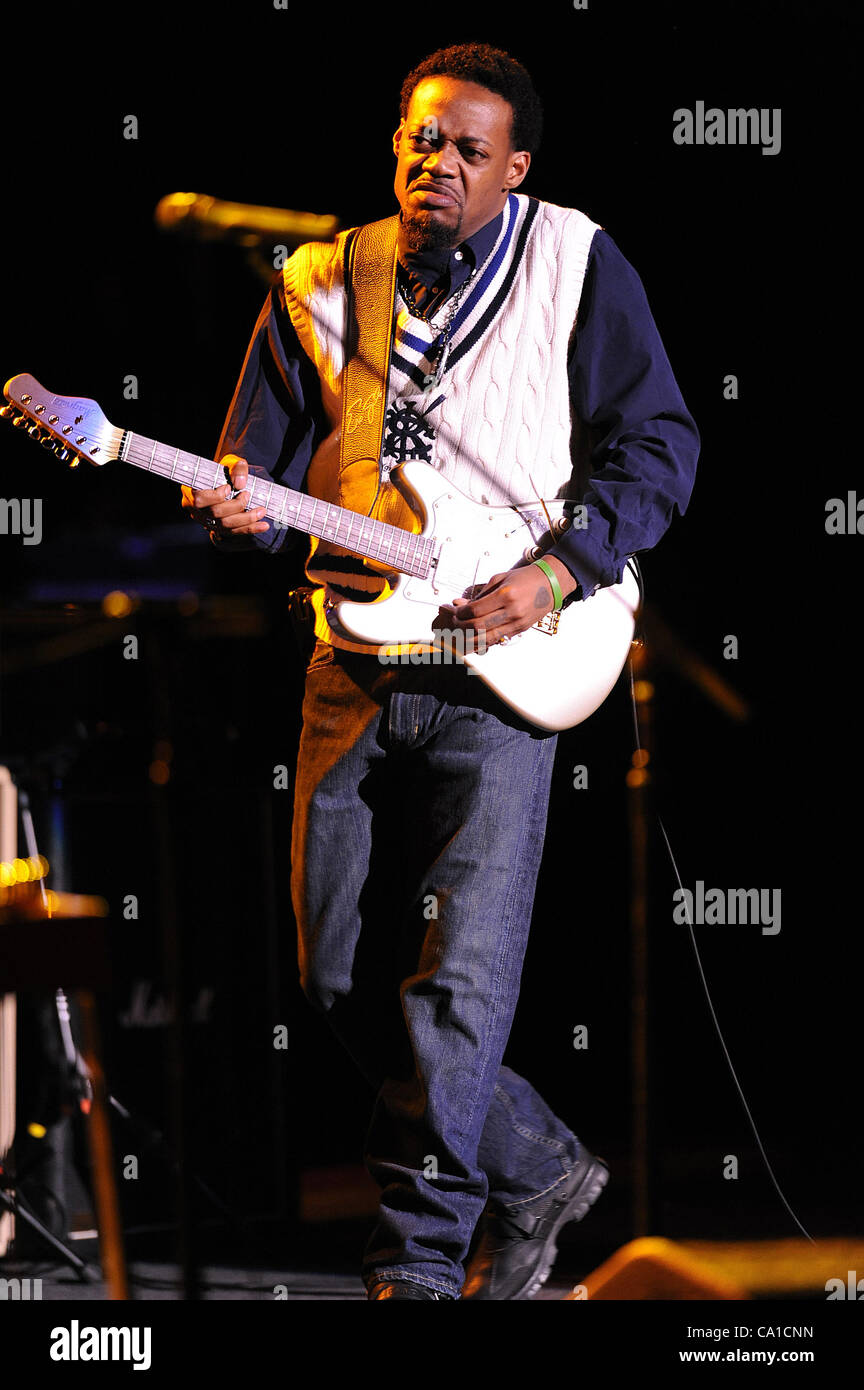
[{"x": 633, "y": 564}]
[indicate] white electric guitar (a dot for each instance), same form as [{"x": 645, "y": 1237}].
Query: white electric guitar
[{"x": 554, "y": 674}]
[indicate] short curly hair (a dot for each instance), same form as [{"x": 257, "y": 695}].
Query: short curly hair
[{"x": 493, "y": 69}]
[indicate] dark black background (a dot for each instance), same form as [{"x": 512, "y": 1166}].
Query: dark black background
[{"x": 749, "y": 265}]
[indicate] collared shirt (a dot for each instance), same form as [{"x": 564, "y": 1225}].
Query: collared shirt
[
  {"x": 645, "y": 443},
  {"x": 434, "y": 275}
]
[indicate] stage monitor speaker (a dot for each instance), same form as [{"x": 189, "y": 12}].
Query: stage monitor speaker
[{"x": 653, "y": 1268}]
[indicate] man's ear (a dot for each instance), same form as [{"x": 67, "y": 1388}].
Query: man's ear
[
  {"x": 518, "y": 170},
  {"x": 397, "y": 138}
]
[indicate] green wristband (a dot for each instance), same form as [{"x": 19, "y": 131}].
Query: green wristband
[{"x": 553, "y": 580}]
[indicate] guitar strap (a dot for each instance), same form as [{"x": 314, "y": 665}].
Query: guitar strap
[{"x": 371, "y": 287}]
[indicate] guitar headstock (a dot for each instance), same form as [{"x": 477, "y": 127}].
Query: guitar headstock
[{"x": 70, "y": 425}]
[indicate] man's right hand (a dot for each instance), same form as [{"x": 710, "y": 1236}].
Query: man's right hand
[{"x": 218, "y": 512}]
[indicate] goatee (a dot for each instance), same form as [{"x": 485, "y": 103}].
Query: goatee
[{"x": 423, "y": 231}]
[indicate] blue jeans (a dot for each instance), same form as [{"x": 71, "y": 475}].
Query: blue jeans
[{"x": 419, "y": 819}]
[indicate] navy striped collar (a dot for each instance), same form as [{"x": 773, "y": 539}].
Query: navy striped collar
[{"x": 413, "y": 353}]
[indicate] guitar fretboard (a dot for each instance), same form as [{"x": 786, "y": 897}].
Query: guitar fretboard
[{"x": 377, "y": 540}]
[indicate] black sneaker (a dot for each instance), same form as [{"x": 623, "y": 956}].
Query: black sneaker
[{"x": 516, "y": 1250}]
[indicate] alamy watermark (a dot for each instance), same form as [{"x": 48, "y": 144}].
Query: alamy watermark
[
  {"x": 736, "y": 126},
  {"x": 20, "y": 1290},
  {"x": 849, "y": 1288},
  {"x": 453, "y": 645},
  {"x": 845, "y": 516},
  {"x": 720, "y": 907},
  {"x": 77, "y": 1343},
  {"x": 22, "y": 516}
]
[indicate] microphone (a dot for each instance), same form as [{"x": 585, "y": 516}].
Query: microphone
[{"x": 210, "y": 219}]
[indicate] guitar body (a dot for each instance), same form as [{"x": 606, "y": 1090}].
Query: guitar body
[{"x": 555, "y": 674}]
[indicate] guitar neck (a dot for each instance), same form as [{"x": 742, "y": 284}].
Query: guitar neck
[{"x": 375, "y": 540}]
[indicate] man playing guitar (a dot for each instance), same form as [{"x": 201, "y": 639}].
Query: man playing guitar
[{"x": 525, "y": 364}]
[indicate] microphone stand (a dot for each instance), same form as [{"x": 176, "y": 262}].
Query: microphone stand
[{"x": 659, "y": 641}]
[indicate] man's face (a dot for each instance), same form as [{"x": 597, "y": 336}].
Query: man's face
[{"x": 455, "y": 165}]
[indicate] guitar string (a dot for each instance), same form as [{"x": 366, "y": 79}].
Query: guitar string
[
  {"x": 707, "y": 991},
  {"x": 164, "y": 462}
]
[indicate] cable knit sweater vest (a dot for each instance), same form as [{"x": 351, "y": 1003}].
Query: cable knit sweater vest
[{"x": 499, "y": 423}]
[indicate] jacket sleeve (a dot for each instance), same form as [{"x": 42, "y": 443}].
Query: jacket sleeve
[
  {"x": 646, "y": 443},
  {"x": 276, "y": 419}
]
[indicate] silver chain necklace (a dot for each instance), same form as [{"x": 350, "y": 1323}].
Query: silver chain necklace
[{"x": 451, "y": 307}]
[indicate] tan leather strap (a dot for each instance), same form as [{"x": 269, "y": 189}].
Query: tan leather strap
[{"x": 371, "y": 286}]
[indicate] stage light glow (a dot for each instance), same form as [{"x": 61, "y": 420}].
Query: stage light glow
[
  {"x": 14, "y": 871},
  {"x": 116, "y": 604}
]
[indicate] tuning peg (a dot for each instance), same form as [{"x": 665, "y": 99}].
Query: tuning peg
[
  {"x": 48, "y": 442},
  {"x": 62, "y": 455},
  {"x": 22, "y": 420},
  {"x": 7, "y": 410},
  {"x": 74, "y": 461},
  {"x": 33, "y": 431}
]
